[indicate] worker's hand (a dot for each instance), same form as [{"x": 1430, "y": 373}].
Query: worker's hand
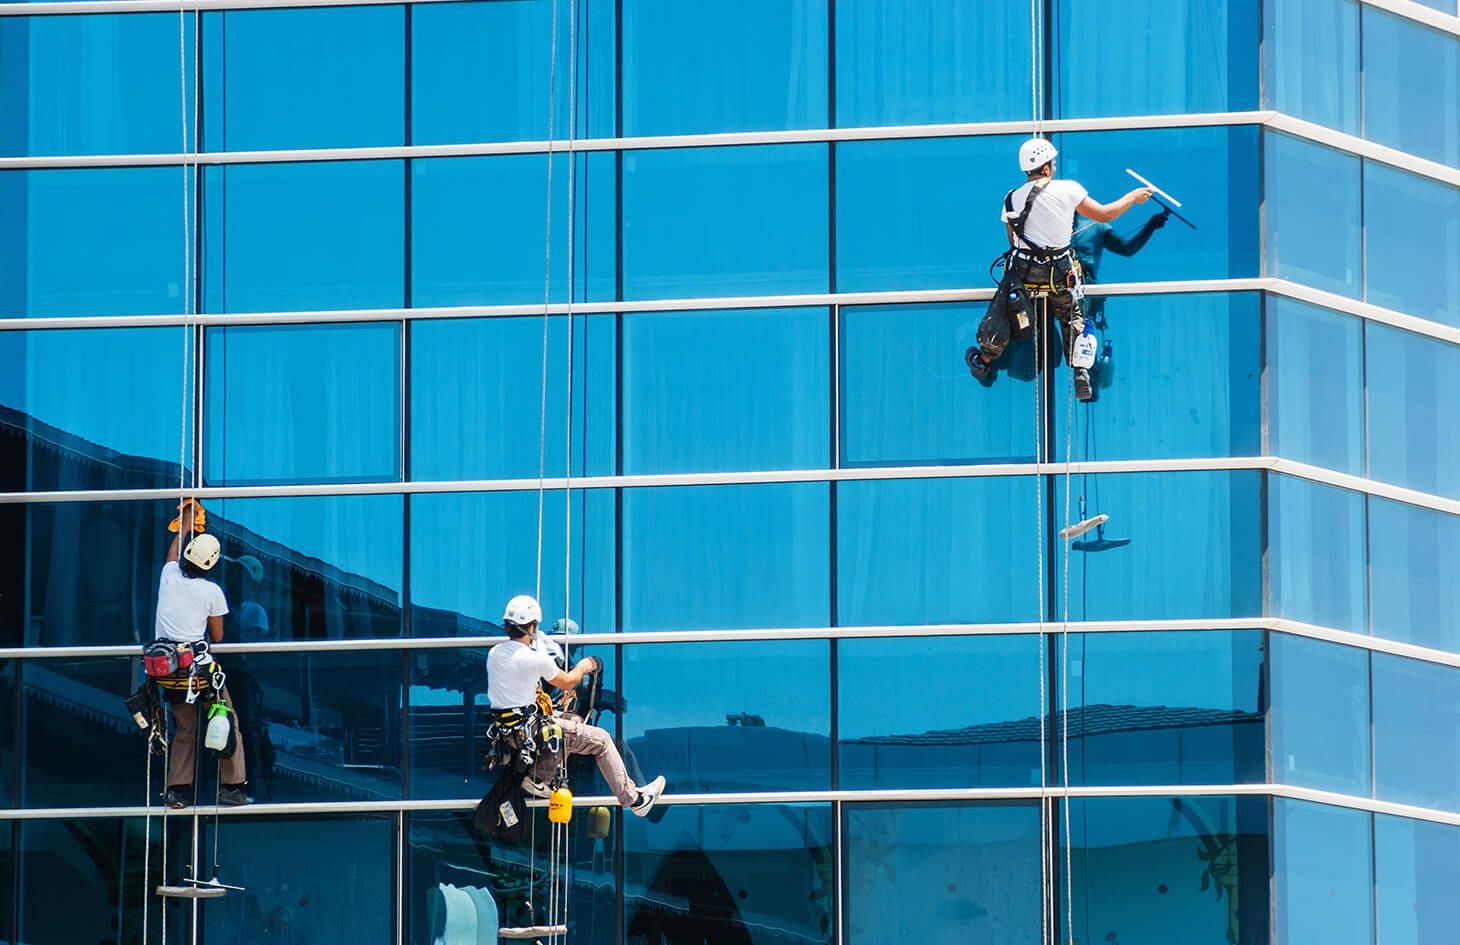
[
  {"x": 589, "y": 664},
  {"x": 1140, "y": 194}
]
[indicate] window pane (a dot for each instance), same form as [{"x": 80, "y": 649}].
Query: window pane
[
  {"x": 1316, "y": 554},
  {"x": 60, "y": 700},
  {"x": 1182, "y": 56},
  {"x": 9, "y": 669},
  {"x": 477, "y": 412},
  {"x": 300, "y": 237},
  {"x": 1412, "y": 86},
  {"x": 1311, "y": 61},
  {"x": 906, "y": 549},
  {"x": 1416, "y": 755},
  {"x": 764, "y": 724},
  {"x": 455, "y": 260},
  {"x": 125, "y": 223},
  {"x": 723, "y": 66},
  {"x": 1412, "y": 228},
  {"x": 99, "y": 862},
  {"x": 722, "y": 540},
  {"x": 1137, "y": 565},
  {"x": 758, "y": 874},
  {"x": 942, "y": 873},
  {"x": 1325, "y": 894},
  {"x": 1416, "y": 871},
  {"x": 1314, "y": 242},
  {"x": 1315, "y": 409},
  {"x": 734, "y": 390},
  {"x": 988, "y": 740},
  {"x": 930, "y": 63},
  {"x": 1320, "y": 715},
  {"x": 769, "y": 204},
  {"x": 1414, "y": 555},
  {"x": 1412, "y": 442},
  {"x": 313, "y": 78}
]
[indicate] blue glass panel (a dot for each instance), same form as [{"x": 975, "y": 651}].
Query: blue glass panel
[
  {"x": 1315, "y": 388},
  {"x": 9, "y": 669},
  {"x": 1154, "y": 57},
  {"x": 930, "y": 63},
  {"x": 1140, "y": 564},
  {"x": 941, "y": 872},
  {"x": 290, "y": 403},
  {"x": 480, "y": 71},
  {"x": 1412, "y": 86},
  {"x": 1416, "y": 755},
  {"x": 1411, "y": 243},
  {"x": 330, "y": 77},
  {"x": 904, "y": 209},
  {"x": 757, "y": 874},
  {"x": 292, "y": 237},
  {"x": 1316, "y": 554},
  {"x": 1416, "y": 872},
  {"x": 472, "y": 552},
  {"x": 1213, "y": 171},
  {"x": 906, "y": 397},
  {"x": 1411, "y": 441},
  {"x": 769, "y": 204},
  {"x": 986, "y": 735},
  {"x": 1315, "y": 242},
  {"x": 475, "y": 404},
  {"x": 719, "y": 391},
  {"x": 1310, "y": 66},
  {"x": 1414, "y": 555},
  {"x": 1321, "y": 874},
  {"x": 99, "y": 862},
  {"x": 723, "y": 66},
  {"x": 126, "y": 223},
  {"x": 906, "y": 549},
  {"x": 689, "y": 554},
  {"x": 93, "y": 84},
  {"x": 1320, "y": 715},
  {"x": 455, "y": 260},
  {"x": 1157, "y": 395},
  {"x": 1160, "y": 869},
  {"x": 764, "y": 724}
]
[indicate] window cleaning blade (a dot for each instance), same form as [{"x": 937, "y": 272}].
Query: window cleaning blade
[
  {"x": 1154, "y": 188},
  {"x": 1080, "y": 528}
]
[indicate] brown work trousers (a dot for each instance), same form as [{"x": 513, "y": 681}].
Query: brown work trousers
[
  {"x": 185, "y": 747},
  {"x": 580, "y": 738}
]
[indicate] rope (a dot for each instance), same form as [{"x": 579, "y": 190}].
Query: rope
[
  {"x": 547, "y": 283},
  {"x": 1065, "y": 657},
  {"x": 1039, "y": 433}
]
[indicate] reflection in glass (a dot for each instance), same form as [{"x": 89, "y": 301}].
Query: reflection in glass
[
  {"x": 1313, "y": 242},
  {"x": 1411, "y": 243},
  {"x": 1416, "y": 754},
  {"x": 747, "y": 874},
  {"x": 9, "y": 669},
  {"x": 1311, "y": 61},
  {"x": 1316, "y": 554},
  {"x": 1316, "y": 384},
  {"x": 1416, "y": 873},
  {"x": 1412, "y": 441},
  {"x": 1320, "y": 715},
  {"x": 1412, "y": 85},
  {"x": 1414, "y": 555},
  {"x": 1321, "y": 874}
]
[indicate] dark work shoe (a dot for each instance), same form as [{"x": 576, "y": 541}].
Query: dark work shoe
[
  {"x": 178, "y": 797},
  {"x": 1083, "y": 390},
  {"x": 978, "y": 367},
  {"x": 234, "y": 796}
]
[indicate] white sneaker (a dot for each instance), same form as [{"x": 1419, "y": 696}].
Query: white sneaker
[
  {"x": 536, "y": 788},
  {"x": 648, "y": 794}
]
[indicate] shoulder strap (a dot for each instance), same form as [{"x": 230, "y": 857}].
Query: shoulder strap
[{"x": 1018, "y": 223}]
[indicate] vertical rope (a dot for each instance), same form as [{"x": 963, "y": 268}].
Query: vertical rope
[
  {"x": 1065, "y": 661},
  {"x": 547, "y": 284}
]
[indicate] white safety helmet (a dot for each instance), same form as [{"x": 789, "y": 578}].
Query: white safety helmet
[
  {"x": 522, "y": 610},
  {"x": 203, "y": 551},
  {"x": 1035, "y": 153}
]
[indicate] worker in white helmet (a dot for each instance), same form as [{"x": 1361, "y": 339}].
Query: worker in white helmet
[
  {"x": 1039, "y": 218},
  {"x": 516, "y": 671}
]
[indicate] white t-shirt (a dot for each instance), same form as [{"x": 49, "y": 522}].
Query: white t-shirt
[
  {"x": 184, "y": 605},
  {"x": 1052, "y": 221},
  {"x": 513, "y": 671}
]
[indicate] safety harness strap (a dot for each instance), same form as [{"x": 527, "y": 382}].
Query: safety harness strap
[{"x": 1017, "y": 224}]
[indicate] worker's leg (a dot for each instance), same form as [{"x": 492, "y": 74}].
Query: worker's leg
[
  {"x": 233, "y": 770},
  {"x": 184, "y": 747},
  {"x": 580, "y": 738},
  {"x": 1072, "y": 322}
]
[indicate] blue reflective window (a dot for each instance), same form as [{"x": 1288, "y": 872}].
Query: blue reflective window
[
  {"x": 1213, "y": 171},
  {"x": 476, "y": 397},
  {"x": 1154, "y": 57},
  {"x": 1315, "y": 242},
  {"x": 721, "y": 540},
  {"x": 126, "y": 223},
  {"x": 329, "y": 77},
  {"x": 769, "y": 204},
  {"x": 1315, "y": 388},
  {"x": 717, "y": 391},
  {"x": 456, "y": 260},
  {"x": 756, "y": 874},
  {"x": 983, "y": 737},
  {"x": 1311, "y": 61},
  {"x": 1321, "y": 874},
  {"x": 1416, "y": 754},
  {"x": 1414, "y": 555},
  {"x": 8, "y": 672},
  {"x": 1317, "y": 548},
  {"x": 941, "y": 872},
  {"x": 1412, "y": 86},
  {"x": 99, "y": 861},
  {"x": 1416, "y": 873},
  {"x": 1154, "y": 399},
  {"x": 906, "y": 217},
  {"x": 1320, "y": 715},
  {"x": 292, "y": 237},
  {"x": 1410, "y": 229},
  {"x": 723, "y": 66},
  {"x": 61, "y": 697},
  {"x": 287, "y": 403},
  {"x": 906, "y": 548},
  {"x": 1413, "y": 444},
  {"x": 930, "y": 63},
  {"x": 765, "y": 724},
  {"x": 1138, "y": 565}
]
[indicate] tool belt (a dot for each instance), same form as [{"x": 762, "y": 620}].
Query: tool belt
[
  {"x": 1046, "y": 271},
  {"x": 524, "y": 738},
  {"x": 196, "y": 674}
]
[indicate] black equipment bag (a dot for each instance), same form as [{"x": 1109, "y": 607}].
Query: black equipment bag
[{"x": 502, "y": 813}]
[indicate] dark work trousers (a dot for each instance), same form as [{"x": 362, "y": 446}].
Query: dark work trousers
[
  {"x": 185, "y": 746},
  {"x": 1057, "y": 271}
]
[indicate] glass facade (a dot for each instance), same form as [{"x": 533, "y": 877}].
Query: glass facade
[{"x": 699, "y": 384}]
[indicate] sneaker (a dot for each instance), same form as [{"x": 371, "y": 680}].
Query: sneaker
[
  {"x": 177, "y": 798},
  {"x": 234, "y": 797},
  {"x": 648, "y": 794},
  {"x": 536, "y": 788},
  {"x": 978, "y": 367},
  {"x": 1083, "y": 390}
]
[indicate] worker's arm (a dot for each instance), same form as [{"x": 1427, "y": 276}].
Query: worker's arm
[
  {"x": 572, "y": 678},
  {"x": 1121, "y": 246},
  {"x": 1105, "y": 212},
  {"x": 1009, "y": 231},
  {"x": 172, "y": 548},
  {"x": 215, "y": 629}
]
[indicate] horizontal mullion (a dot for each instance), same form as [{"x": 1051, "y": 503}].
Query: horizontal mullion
[{"x": 1419, "y": 13}]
